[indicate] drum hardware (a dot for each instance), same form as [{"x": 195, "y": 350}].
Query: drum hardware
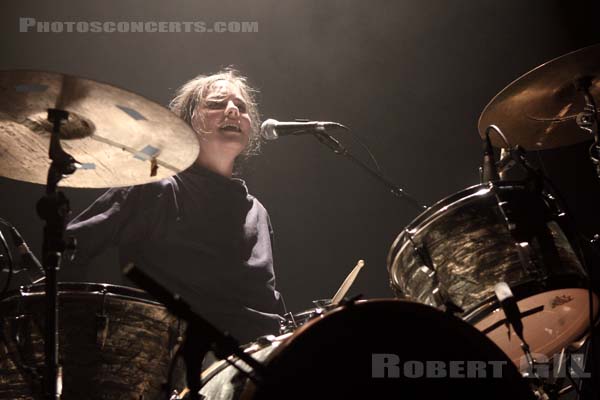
[
  {"x": 489, "y": 171},
  {"x": 555, "y": 377},
  {"x": 102, "y": 322},
  {"x": 53, "y": 209},
  {"x": 439, "y": 291},
  {"x": 587, "y": 120},
  {"x": 20, "y": 327},
  {"x": 11, "y": 266},
  {"x": 514, "y": 318},
  {"x": 28, "y": 259},
  {"x": 521, "y": 234}
]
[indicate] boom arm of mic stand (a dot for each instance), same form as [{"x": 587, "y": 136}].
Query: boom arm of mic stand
[{"x": 333, "y": 144}]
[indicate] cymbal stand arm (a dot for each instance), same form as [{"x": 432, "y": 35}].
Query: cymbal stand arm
[
  {"x": 54, "y": 209},
  {"x": 333, "y": 144}
]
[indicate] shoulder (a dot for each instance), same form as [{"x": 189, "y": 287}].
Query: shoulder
[
  {"x": 159, "y": 188},
  {"x": 257, "y": 204}
]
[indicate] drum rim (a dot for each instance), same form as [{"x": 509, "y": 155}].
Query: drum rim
[{"x": 84, "y": 288}]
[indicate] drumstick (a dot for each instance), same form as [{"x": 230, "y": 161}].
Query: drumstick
[{"x": 347, "y": 283}]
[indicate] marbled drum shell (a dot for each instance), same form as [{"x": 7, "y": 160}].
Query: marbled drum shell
[
  {"x": 471, "y": 247},
  {"x": 115, "y": 343}
]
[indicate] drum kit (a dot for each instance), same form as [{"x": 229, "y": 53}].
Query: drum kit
[{"x": 490, "y": 283}]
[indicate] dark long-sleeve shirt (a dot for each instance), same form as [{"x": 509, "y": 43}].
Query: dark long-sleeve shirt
[{"x": 200, "y": 235}]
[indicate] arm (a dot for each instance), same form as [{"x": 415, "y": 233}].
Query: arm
[{"x": 102, "y": 224}]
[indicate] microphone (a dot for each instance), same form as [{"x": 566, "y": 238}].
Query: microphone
[
  {"x": 27, "y": 257},
  {"x": 489, "y": 172},
  {"x": 510, "y": 307},
  {"x": 271, "y": 129}
]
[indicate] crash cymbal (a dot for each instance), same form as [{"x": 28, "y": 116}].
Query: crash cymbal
[
  {"x": 116, "y": 135},
  {"x": 538, "y": 110}
]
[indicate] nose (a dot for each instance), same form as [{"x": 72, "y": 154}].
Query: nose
[{"x": 231, "y": 111}]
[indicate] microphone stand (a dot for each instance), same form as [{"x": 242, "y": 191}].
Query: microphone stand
[
  {"x": 54, "y": 209},
  {"x": 334, "y": 145}
]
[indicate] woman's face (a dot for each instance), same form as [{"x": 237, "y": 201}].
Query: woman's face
[{"x": 222, "y": 119}]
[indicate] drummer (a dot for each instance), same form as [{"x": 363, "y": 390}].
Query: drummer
[{"x": 199, "y": 233}]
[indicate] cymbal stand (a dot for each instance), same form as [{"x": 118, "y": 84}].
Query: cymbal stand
[
  {"x": 54, "y": 209},
  {"x": 588, "y": 120}
]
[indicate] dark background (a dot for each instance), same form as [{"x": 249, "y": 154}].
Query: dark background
[{"x": 410, "y": 77}]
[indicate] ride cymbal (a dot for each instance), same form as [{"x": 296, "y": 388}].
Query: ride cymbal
[
  {"x": 119, "y": 137},
  {"x": 538, "y": 110}
]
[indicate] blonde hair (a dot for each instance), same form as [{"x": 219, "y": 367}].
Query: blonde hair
[{"x": 191, "y": 95}]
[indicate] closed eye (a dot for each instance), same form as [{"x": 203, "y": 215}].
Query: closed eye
[{"x": 215, "y": 105}]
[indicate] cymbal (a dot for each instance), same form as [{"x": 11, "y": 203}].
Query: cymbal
[
  {"x": 119, "y": 137},
  {"x": 537, "y": 111}
]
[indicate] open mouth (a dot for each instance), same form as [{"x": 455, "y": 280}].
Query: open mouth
[{"x": 233, "y": 128}]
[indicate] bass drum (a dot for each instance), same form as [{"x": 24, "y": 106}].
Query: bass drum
[
  {"x": 374, "y": 349},
  {"x": 454, "y": 254},
  {"x": 115, "y": 343}
]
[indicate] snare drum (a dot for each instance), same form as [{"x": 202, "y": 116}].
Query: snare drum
[
  {"x": 454, "y": 253},
  {"x": 115, "y": 343},
  {"x": 374, "y": 349}
]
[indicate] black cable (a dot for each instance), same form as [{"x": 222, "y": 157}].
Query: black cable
[
  {"x": 499, "y": 132},
  {"x": 10, "y": 265},
  {"x": 361, "y": 142}
]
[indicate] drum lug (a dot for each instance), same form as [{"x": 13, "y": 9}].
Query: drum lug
[
  {"x": 101, "y": 330},
  {"x": 175, "y": 338},
  {"x": 440, "y": 293},
  {"x": 21, "y": 331},
  {"x": 102, "y": 323},
  {"x": 21, "y": 334}
]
